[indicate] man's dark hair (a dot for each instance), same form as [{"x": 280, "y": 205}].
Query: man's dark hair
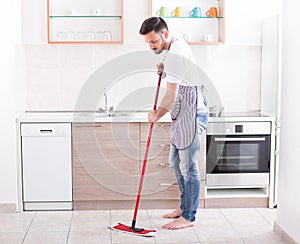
[{"x": 156, "y": 24}]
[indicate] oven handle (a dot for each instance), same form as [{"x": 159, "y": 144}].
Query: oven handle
[{"x": 239, "y": 139}]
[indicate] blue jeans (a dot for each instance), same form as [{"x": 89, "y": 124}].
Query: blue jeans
[{"x": 185, "y": 164}]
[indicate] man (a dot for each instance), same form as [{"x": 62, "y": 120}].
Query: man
[{"x": 189, "y": 120}]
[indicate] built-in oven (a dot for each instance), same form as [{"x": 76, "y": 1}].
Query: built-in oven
[{"x": 238, "y": 154}]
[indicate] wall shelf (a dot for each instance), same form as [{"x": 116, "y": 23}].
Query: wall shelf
[
  {"x": 86, "y": 22},
  {"x": 86, "y": 16},
  {"x": 193, "y": 29},
  {"x": 191, "y": 17}
]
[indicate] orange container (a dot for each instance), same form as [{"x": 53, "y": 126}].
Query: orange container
[{"x": 212, "y": 12}]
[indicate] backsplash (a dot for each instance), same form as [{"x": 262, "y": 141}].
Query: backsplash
[{"x": 55, "y": 74}]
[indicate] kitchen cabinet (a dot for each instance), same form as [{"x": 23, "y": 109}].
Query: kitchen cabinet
[
  {"x": 90, "y": 21},
  {"x": 107, "y": 161},
  {"x": 194, "y": 28},
  {"x": 105, "y": 164},
  {"x": 159, "y": 182},
  {"x": 160, "y": 176}
]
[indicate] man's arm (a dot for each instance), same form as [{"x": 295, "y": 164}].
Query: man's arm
[{"x": 166, "y": 103}]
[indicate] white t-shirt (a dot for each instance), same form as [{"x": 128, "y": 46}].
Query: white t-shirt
[
  {"x": 179, "y": 66},
  {"x": 181, "y": 48}
]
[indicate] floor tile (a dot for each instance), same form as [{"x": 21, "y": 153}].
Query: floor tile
[
  {"x": 216, "y": 229},
  {"x": 270, "y": 214},
  {"x": 264, "y": 238},
  {"x": 209, "y": 213},
  {"x": 187, "y": 235},
  {"x": 15, "y": 222},
  {"x": 90, "y": 220},
  {"x": 89, "y": 237},
  {"x": 251, "y": 227},
  {"x": 46, "y": 237},
  {"x": 11, "y": 237},
  {"x": 51, "y": 221},
  {"x": 232, "y": 213}
]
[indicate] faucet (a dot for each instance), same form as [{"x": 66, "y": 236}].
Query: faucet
[
  {"x": 106, "y": 109},
  {"x": 203, "y": 89}
]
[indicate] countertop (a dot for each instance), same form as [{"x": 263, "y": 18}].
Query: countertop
[{"x": 124, "y": 116}]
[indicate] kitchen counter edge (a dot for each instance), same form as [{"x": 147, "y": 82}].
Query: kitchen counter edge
[{"x": 71, "y": 117}]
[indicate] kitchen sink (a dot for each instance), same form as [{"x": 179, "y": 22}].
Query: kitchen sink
[
  {"x": 103, "y": 115},
  {"x": 112, "y": 114}
]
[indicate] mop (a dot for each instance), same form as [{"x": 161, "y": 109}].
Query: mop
[{"x": 132, "y": 229}]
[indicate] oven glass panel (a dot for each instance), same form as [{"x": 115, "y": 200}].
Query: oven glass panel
[{"x": 238, "y": 154}]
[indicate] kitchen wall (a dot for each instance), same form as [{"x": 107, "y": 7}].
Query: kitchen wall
[
  {"x": 10, "y": 27},
  {"x": 288, "y": 216},
  {"x": 56, "y": 73}
]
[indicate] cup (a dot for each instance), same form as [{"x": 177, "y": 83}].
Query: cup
[
  {"x": 61, "y": 36},
  {"x": 212, "y": 12},
  {"x": 196, "y": 12},
  {"x": 98, "y": 11},
  {"x": 71, "y": 11},
  {"x": 70, "y": 36},
  {"x": 209, "y": 38},
  {"x": 91, "y": 36},
  {"x": 80, "y": 36},
  {"x": 99, "y": 36},
  {"x": 162, "y": 12},
  {"x": 107, "y": 36},
  {"x": 187, "y": 37},
  {"x": 177, "y": 12}
]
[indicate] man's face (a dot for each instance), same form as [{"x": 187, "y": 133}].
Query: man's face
[{"x": 157, "y": 41}]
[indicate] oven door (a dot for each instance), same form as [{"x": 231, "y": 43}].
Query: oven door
[{"x": 228, "y": 154}]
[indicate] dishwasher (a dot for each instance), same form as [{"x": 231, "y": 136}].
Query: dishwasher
[{"x": 47, "y": 166}]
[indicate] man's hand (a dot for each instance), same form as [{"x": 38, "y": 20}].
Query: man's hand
[
  {"x": 160, "y": 68},
  {"x": 166, "y": 103},
  {"x": 152, "y": 116}
]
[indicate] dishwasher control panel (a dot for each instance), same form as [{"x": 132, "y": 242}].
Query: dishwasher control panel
[{"x": 45, "y": 129}]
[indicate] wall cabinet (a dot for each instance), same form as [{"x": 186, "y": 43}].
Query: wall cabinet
[
  {"x": 107, "y": 161},
  {"x": 185, "y": 20},
  {"x": 90, "y": 21}
]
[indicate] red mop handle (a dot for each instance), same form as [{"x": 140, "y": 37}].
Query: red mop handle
[{"x": 145, "y": 158}]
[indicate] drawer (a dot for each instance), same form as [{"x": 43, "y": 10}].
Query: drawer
[
  {"x": 106, "y": 132},
  {"x": 160, "y": 132}
]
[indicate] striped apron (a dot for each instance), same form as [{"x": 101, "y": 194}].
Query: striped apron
[{"x": 183, "y": 114}]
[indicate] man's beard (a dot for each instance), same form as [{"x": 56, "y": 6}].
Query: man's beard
[{"x": 162, "y": 47}]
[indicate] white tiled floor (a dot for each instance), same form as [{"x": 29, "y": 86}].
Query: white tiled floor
[{"x": 251, "y": 225}]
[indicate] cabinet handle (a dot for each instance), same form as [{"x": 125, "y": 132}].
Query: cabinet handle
[
  {"x": 163, "y": 164},
  {"x": 168, "y": 184}
]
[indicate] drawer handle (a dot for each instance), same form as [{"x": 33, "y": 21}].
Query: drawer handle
[
  {"x": 164, "y": 164},
  {"x": 168, "y": 184}
]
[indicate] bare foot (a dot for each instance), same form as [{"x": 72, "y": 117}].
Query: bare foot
[
  {"x": 175, "y": 214},
  {"x": 179, "y": 223}
]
